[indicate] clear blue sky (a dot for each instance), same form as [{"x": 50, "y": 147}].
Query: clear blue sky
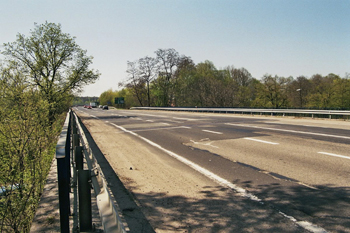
[{"x": 277, "y": 37}]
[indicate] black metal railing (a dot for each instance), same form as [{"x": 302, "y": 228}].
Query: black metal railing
[{"x": 72, "y": 151}]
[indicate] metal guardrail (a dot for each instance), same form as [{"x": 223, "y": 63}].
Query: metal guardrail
[
  {"x": 283, "y": 112},
  {"x": 64, "y": 174},
  {"x": 108, "y": 211},
  {"x": 69, "y": 141}
]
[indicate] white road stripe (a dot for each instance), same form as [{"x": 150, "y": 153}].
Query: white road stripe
[
  {"x": 186, "y": 119},
  {"x": 335, "y": 155},
  {"x": 164, "y": 128},
  {"x": 209, "y": 131},
  {"x": 152, "y": 115},
  {"x": 94, "y": 116},
  {"x": 258, "y": 140},
  {"x": 290, "y": 131},
  {"x": 306, "y": 225},
  {"x": 149, "y": 120}
]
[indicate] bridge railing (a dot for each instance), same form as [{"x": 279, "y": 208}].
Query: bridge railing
[{"x": 71, "y": 150}]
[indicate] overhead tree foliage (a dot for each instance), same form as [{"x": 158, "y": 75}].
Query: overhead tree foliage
[{"x": 53, "y": 62}]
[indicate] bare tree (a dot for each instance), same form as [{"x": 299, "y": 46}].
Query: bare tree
[
  {"x": 135, "y": 82},
  {"x": 168, "y": 59},
  {"x": 147, "y": 67}
]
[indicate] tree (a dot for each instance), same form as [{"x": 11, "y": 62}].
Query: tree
[
  {"x": 184, "y": 86},
  {"x": 135, "y": 82},
  {"x": 168, "y": 59},
  {"x": 275, "y": 90},
  {"x": 147, "y": 68},
  {"x": 107, "y": 97},
  {"x": 53, "y": 62},
  {"x": 322, "y": 92},
  {"x": 26, "y": 140},
  {"x": 242, "y": 86},
  {"x": 298, "y": 92}
]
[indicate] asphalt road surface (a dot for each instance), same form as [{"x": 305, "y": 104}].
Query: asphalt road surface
[{"x": 229, "y": 173}]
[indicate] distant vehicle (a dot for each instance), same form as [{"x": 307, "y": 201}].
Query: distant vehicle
[
  {"x": 100, "y": 106},
  {"x": 85, "y": 106},
  {"x": 105, "y": 107},
  {"x": 89, "y": 107},
  {"x": 93, "y": 104}
]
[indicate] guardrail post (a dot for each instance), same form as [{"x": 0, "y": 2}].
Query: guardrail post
[
  {"x": 63, "y": 150},
  {"x": 76, "y": 141},
  {"x": 74, "y": 125},
  {"x": 84, "y": 190},
  {"x": 78, "y": 152}
]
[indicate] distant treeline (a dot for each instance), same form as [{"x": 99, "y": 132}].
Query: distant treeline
[
  {"x": 169, "y": 79},
  {"x": 84, "y": 100}
]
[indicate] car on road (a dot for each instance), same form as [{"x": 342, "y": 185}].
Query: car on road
[
  {"x": 105, "y": 107},
  {"x": 89, "y": 107}
]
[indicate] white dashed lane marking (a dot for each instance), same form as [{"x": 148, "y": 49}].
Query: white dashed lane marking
[
  {"x": 258, "y": 140},
  {"x": 209, "y": 131},
  {"x": 334, "y": 155}
]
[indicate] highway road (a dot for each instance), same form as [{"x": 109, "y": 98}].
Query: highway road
[{"x": 295, "y": 170}]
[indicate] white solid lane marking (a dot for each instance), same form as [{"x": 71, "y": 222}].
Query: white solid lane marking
[
  {"x": 306, "y": 225},
  {"x": 152, "y": 115},
  {"x": 94, "y": 116},
  {"x": 258, "y": 140},
  {"x": 164, "y": 128},
  {"x": 209, "y": 131},
  {"x": 149, "y": 120},
  {"x": 335, "y": 155},
  {"x": 290, "y": 131},
  {"x": 186, "y": 119}
]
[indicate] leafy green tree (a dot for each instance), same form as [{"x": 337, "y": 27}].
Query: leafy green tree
[
  {"x": 184, "y": 85},
  {"x": 298, "y": 91},
  {"x": 241, "y": 86},
  {"x": 53, "y": 62},
  {"x": 107, "y": 97},
  {"x": 322, "y": 91},
  {"x": 26, "y": 139},
  {"x": 275, "y": 91},
  {"x": 341, "y": 96}
]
